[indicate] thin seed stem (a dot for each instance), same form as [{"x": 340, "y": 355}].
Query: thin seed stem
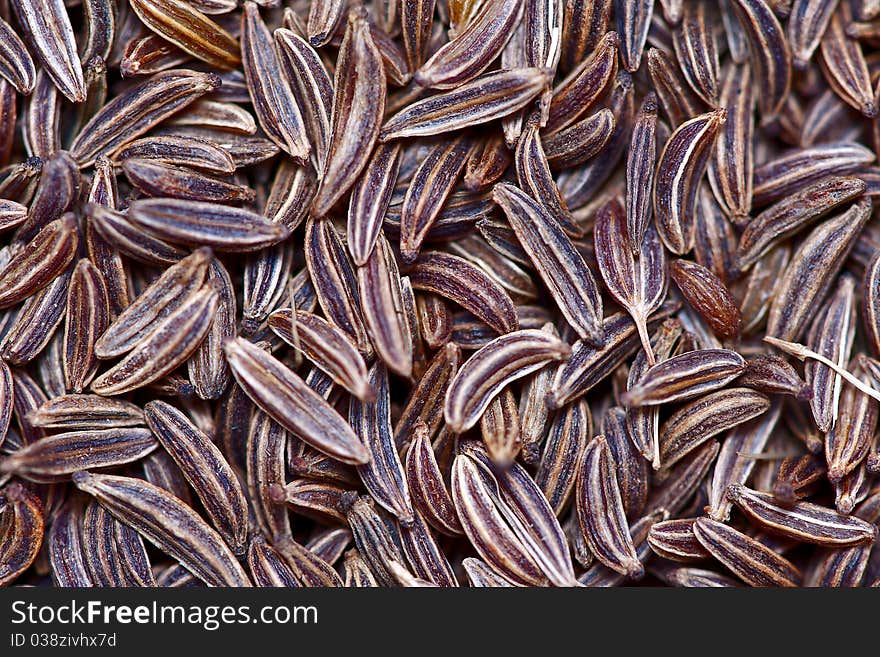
[{"x": 801, "y": 352}]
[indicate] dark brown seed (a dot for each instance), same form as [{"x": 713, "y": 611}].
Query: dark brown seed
[
  {"x": 831, "y": 335},
  {"x": 150, "y": 54},
  {"x": 643, "y": 422},
  {"x": 871, "y": 302},
  {"x": 769, "y": 51},
  {"x": 48, "y": 29},
  {"x": 774, "y": 375},
  {"x": 521, "y": 503},
  {"x": 692, "y": 424},
  {"x": 167, "y": 523},
  {"x": 179, "y": 150},
  {"x": 383, "y": 474},
  {"x": 11, "y": 214},
  {"x": 16, "y": 64},
  {"x": 158, "y": 179},
  {"x": 6, "y": 404},
  {"x": 731, "y": 168},
  {"x": 580, "y": 141},
  {"x": 685, "y": 376},
  {"x": 35, "y": 323},
  {"x": 683, "y": 480},
  {"x": 675, "y": 540},
  {"x": 458, "y": 280},
  {"x": 583, "y": 25},
  {"x": 27, "y": 397},
  {"x": 601, "y": 512},
  {"x": 326, "y": 346},
  {"x": 640, "y": 162},
  {"x": 161, "y": 298},
  {"x": 844, "y": 65},
  {"x": 680, "y": 168},
  {"x": 812, "y": 271},
  {"x": 357, "y": 571},
  {"x": 751, "y": 561},
  {"x": 631, "y": 468},
  {"x": 63, "y": 454},
  {"x": 65, "y": 547},
  {"x": 57, "y": 192},
  {"x": 435, "y": 320},
  {"x": 41, "y": 133},
  {"x": 533, "y": 411},
  {"x": 319, "y": 500},
  {"x": 87, "y": 317},
  {"x": 488, "y": 97},
  {"x": 516, "y": 280},
  {"x": 40, "y": 261},
  {"x": 358, "y": 109},
  {"x": 424, "y": 554},
  {"x": 470, "y": 333},
  {"x": 168, "y": 345},
  {"x": 329, "y": 544},
  {"x": 794, "y": 213},
  {"x": 599, "y": 575},
  {"x": 22, "y": 531},
  {"x": 416, "y": 22},
  {"x": 205, "y": 224},
  {"x": 561, "y": 266},
  {"x": 473, "y": 48},
  {"x": 207, "y": 368},
  {"x": 798, "y": 477},
  {"x": 190, "y": 30},
  {"x": 289, "y": 401},
  {"x": 677, "y": 99},
  {"x": 533, "y": 172},
  {"x": 499, "y": 427},
  {"x": 370, "y": 197},
  {"x": 795, "y": 169},
  {"x": 274, "y": 103},
  {"x": 578, "y": 92},
  {"x": 134, "y": 112},
  {"x": 709, "y": 297},
  {"x": 485, "y": 374},
  {"x": 589, "y": 365},
  {"x": 266, "y": 443},
  {"x": 759, "y": 287},
  {"x": 695, "y": 47},
  {"x": 633, "y": 23},
  {"x": 267, "y": 565},
  {"x": 118, "y": 233},
  {"x": 428, "y": 490},
  {"x": 215, "y": 115},
  {"x": 291, "y": 194},
  {"x": 427, "y": 191},
  {"x": 312, "y": 87},
  {"x": 161, "y": 470},
  {"x": 849, "y": 440},
  {"x": 334, "y": 280},
  {"x": 426, "y": 400},
  {"x": 715, "y": 244},
  {"x": 806, "y": 25},
  {"x": 487, "y": 163},
  {"x": 209, "y": 474},
  {"x": 635, "y": 276},
  {"x": 699, "y": 578},
  {"x": 803, "y": 521}
]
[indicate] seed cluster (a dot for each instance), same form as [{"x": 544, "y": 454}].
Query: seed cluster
[{"x": 439, "y": 292}]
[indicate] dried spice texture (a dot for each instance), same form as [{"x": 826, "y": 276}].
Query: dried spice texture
[{"x": 439, "y": 293}]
